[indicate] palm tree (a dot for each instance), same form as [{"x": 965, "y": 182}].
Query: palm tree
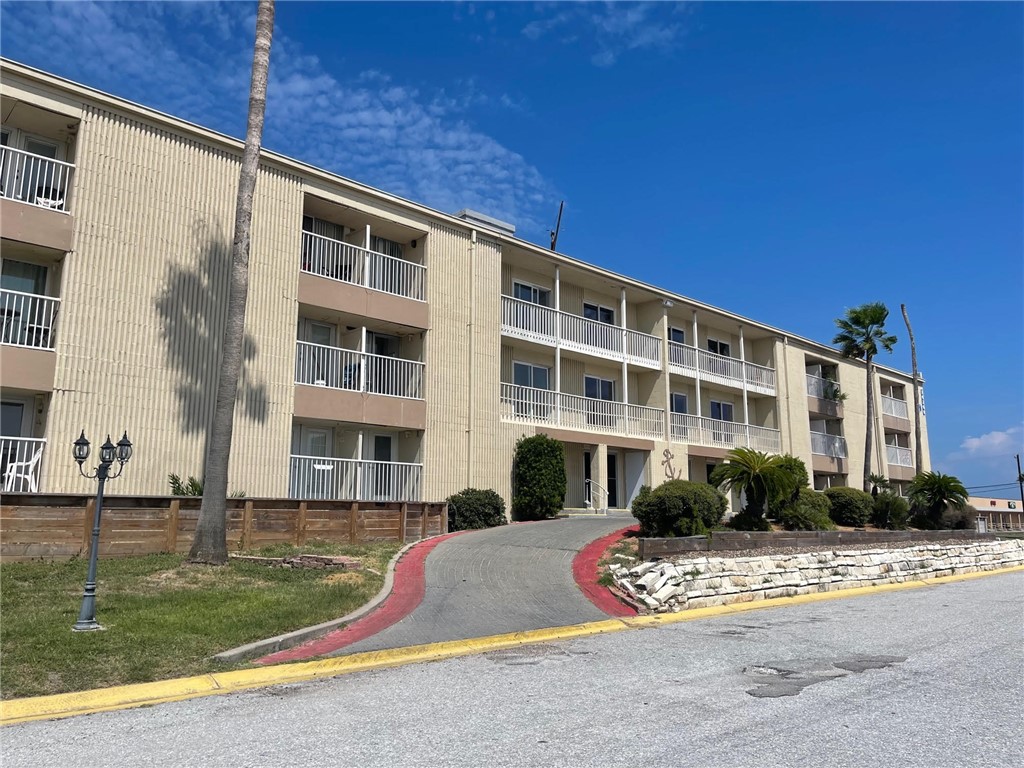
[
  {"x": 210, "y": 542},
  {"x": 931, "y": 493},
  {"x": 918, "y": 457},
  {"x": 879, "y": 483},
  {"x": 760, "y": 476},
  {"x": 860, "y": 335}
]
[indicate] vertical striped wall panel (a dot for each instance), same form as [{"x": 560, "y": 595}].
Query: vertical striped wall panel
[{"x": 143, "y": 298}]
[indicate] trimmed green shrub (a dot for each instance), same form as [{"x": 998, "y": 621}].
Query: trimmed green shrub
[
  {"x": 954, "y": 519},
  {"x": 888, "y": 510},
  {"x": 810, "y": 512},
  {"x": 474, "y": 508},
  {"x": 747, "y": 520},
  {"x": 850, "y": 506},
  {"x": 538, "y": 478},
  {"x": 678, "y": 508},
  {"x": 781, "y": 501}
]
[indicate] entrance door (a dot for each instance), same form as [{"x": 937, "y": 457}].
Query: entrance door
[
  {"x": 613, "y": 480},
  {"x": 586, "y": 479},
  {"x": 382, "y": 477}
]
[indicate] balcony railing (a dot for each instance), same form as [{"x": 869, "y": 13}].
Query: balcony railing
[
  {"x": 682, "y": 356},
  {"x": 327, "y": 257},
  {"x": 900, "y": 457},
  {"x": 322, "y": 366},
  {"x": 542, "y": 406},
  {"x": 701, "y": 430},
  {"x": 20, "y": 460},
  {"x": 315, "y": 477},
  {"x": 28, "y": 319},
  {"x": 891, "y": 406},
  {"x": 548, "y": 326},
  {"x": 35, "y": 179},
  {"x": 824, "y": 444}
]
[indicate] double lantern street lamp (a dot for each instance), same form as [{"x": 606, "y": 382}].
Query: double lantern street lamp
[{"x": 109, "y": 453}]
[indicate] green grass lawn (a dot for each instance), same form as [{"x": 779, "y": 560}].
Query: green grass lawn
[{"x": 163, "y": 618}]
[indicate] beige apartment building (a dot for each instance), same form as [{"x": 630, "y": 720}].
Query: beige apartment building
[{"x": 392, "y": 351}]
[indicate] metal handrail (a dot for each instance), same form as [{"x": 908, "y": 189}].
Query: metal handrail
[{"x": 589, "y": 500}]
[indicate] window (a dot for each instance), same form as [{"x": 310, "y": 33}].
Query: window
[
  {"x": 532, "y": 294},
  {"x": 599, "y": 313},
  {"x": 527, "y": 375},
  {"x": 599, "y": 392},
  {"x": 22, "y": 276},
  {"x": 719, "y": 347},
  {"x": 721, "y": 411},
  {"x": 598, "y": 389},
  {"x": 677, "y": 335},
  {"x": 678, "y": 403}
]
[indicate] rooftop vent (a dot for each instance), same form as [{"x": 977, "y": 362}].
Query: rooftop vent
[{"x": 485, "y": 221}]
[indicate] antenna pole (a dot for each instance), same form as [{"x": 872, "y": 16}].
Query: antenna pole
[{"x": 558, "y": 226}]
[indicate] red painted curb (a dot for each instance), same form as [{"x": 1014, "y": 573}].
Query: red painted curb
[
  {"x": 585, "y": 572},
  {"x": 406, "y": 594}
]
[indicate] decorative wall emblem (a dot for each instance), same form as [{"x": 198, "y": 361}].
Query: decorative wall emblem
[{"x": 670, "y": 472}]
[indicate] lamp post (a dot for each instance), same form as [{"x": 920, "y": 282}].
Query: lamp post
[{"x": 109, "y": 453}]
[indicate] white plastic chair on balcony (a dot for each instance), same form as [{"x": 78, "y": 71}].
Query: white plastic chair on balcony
[{"x": 23, "y": 470}]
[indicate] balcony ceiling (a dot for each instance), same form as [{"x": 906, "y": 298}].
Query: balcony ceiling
[
  {"x": 33, "y": 119},
  {"x": 344, "y": 320},
  {"x": 358, "y": 219}
]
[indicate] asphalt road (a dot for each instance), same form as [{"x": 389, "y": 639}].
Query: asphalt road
[{"x": 925, "y": 677}]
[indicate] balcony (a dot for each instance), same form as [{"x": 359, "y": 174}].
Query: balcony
[
  {"x": 20, "y": 460},
  {"x": 34, "y": 179},
  {"x": 715, "y": 433},
  {"x": 894, "y": 407},
  {"x": 544, "y": 325},
  {"x": 28, "y": 319},
  {"x": 528, "y": 405},
  {"x": 347, "y": 263},
  {"x": 316, "y": 477},
  {"x": 898, "y": 456},
  {"x": 833, "y": 446},
  {"x": 322, "y": 366},
  {"x": 719, "y": 369}
]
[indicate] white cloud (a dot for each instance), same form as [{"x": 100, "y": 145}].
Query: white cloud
[
  {"x": 998, "y": 443},
  {"x": 612, "y": 28},
  {"x": 193, "y": 60}
]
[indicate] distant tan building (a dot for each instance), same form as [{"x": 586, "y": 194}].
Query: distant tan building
[{"x": 392, "y": 351}]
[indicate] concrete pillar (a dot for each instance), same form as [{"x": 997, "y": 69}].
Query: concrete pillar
[
  {"x": 696, "y": 347},
  {"x": 599, "y": 473}
]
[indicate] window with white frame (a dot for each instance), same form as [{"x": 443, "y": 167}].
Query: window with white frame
[
  {"x": 677, "y": 335},
  {"x": 678, "y": 402},
  {"x": 529, "y": 375},
  {"x": 531, "y": 293},
  {"x": 601, "y": 314},
  {"x": 598, "y": 389},
  {"x": 719, "y": 347},
  {"x": 721, "y": 411}
]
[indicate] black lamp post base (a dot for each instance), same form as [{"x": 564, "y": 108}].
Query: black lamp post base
[{"x": 87, "y": 626}]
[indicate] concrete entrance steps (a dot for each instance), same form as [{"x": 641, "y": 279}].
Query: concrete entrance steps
[{"x": 583, "y": 511}]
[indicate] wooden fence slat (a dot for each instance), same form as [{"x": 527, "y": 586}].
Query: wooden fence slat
[
  {"x": 353, "y": 522},
  {"x": 247, "y": 526},
  {"x": 300, "y": 528},
  {"x": 172, "y": 526},
  {"x": 403, "y": 521}
]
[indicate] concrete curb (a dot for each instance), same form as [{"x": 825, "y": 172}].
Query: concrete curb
[
  {"x": 146, "y": 694},
  {"x": 299, "y": 636}
]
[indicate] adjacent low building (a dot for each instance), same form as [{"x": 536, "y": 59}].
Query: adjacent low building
[{"x": 392, "y": 351}]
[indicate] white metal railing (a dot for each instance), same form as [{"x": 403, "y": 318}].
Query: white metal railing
[
  {"x": 824, "y": 389},
  {"x": 592, "y": 490},
  {"x": 28, "y": 319},
  {"x": 719, "y": 365},
  {"x": 531, "y": 405},
  {"x": 349, "y": 263},
  {"x": 324, "y": 366},
  {"x": 701, "y": 430},
  {"x": 20, "y": 460},
  {"x": 760, "y": 376},
  {"x": 533, "y": 320},
  {"x": 892, "y": 406},
  {"x": 828, "y": 445},
  {"x": 584, "y": 332},
  {"x": 901, "y": 457},
  {"x": 643, "y": 347},
  {"x": 316, "y": 477},
  {"x": 682, "y": 355},
  {"x": 35, "y": 179}
]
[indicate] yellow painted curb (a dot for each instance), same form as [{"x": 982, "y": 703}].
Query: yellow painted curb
[{"x": 146, "y": 694}]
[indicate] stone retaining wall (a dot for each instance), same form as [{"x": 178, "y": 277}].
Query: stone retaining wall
[{"x": 697, "y": 582}]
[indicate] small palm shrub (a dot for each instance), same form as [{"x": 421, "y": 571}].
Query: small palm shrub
[
  {"x": 810, "y": 512},
  {"x": 931, "y": 494},
  {"x": 850, "y": 506},
  {"x": 474, "y": 508},
  {"x": 538, "y": 478},
  {"x": 761, "y": 477},
  {"x": 888, "y": 510},
  {"x": 787, "y": 497},
  {"x": 678, "y": 508},
  {"x": 748, "y": 520},
  {"x": 193, "y": 487}
]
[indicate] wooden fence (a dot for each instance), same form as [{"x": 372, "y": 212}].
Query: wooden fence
[
  {"x": 55, "y": 527},
  {"x": 724, "y": 541}
]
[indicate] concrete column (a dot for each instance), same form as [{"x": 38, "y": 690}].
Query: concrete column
[
  {"x": 696, "y": 347},
  {"x": 665, "y": 370},
  {"x": 558, "y": 344},
  {"x": 366, "y": 259},
  {"x": 362, "y": 360},
  {"x": 359, "y": 464},
  {"x": 743, "y": 368},
  {"x": 622, "y": 323},
  {"x": 599, "y": 473}
]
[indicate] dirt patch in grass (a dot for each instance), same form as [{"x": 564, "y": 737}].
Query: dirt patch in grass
[{"x": 349, "y": 577}]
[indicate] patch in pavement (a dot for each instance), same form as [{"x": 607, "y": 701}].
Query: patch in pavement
[
  {"x": 776, "y": 679},
  {"x": 540, "y": 653}
]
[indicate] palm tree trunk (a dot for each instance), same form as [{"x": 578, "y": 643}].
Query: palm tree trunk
[
  {"x": 869, "y": 435},
  {"x": 210, "y": 542},
  {"x": 917, "y": 393}
]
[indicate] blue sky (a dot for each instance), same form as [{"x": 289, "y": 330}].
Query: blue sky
[{"x": 781, "y": 160}]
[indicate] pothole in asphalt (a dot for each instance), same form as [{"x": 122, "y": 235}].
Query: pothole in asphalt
[
  {"x": 789, "y": 678},
  {"x": 533, "y": 654}
]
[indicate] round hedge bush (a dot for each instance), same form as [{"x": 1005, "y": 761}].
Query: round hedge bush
[
  {"x": 538, "y": 478},
  {"x": 678, "y": 508},
  {"x": 475, "y": 508},
  {"x": 850, "y": 506},
  {"x": 890, "y": 511},
  {"x": 810, "y": 512}
]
